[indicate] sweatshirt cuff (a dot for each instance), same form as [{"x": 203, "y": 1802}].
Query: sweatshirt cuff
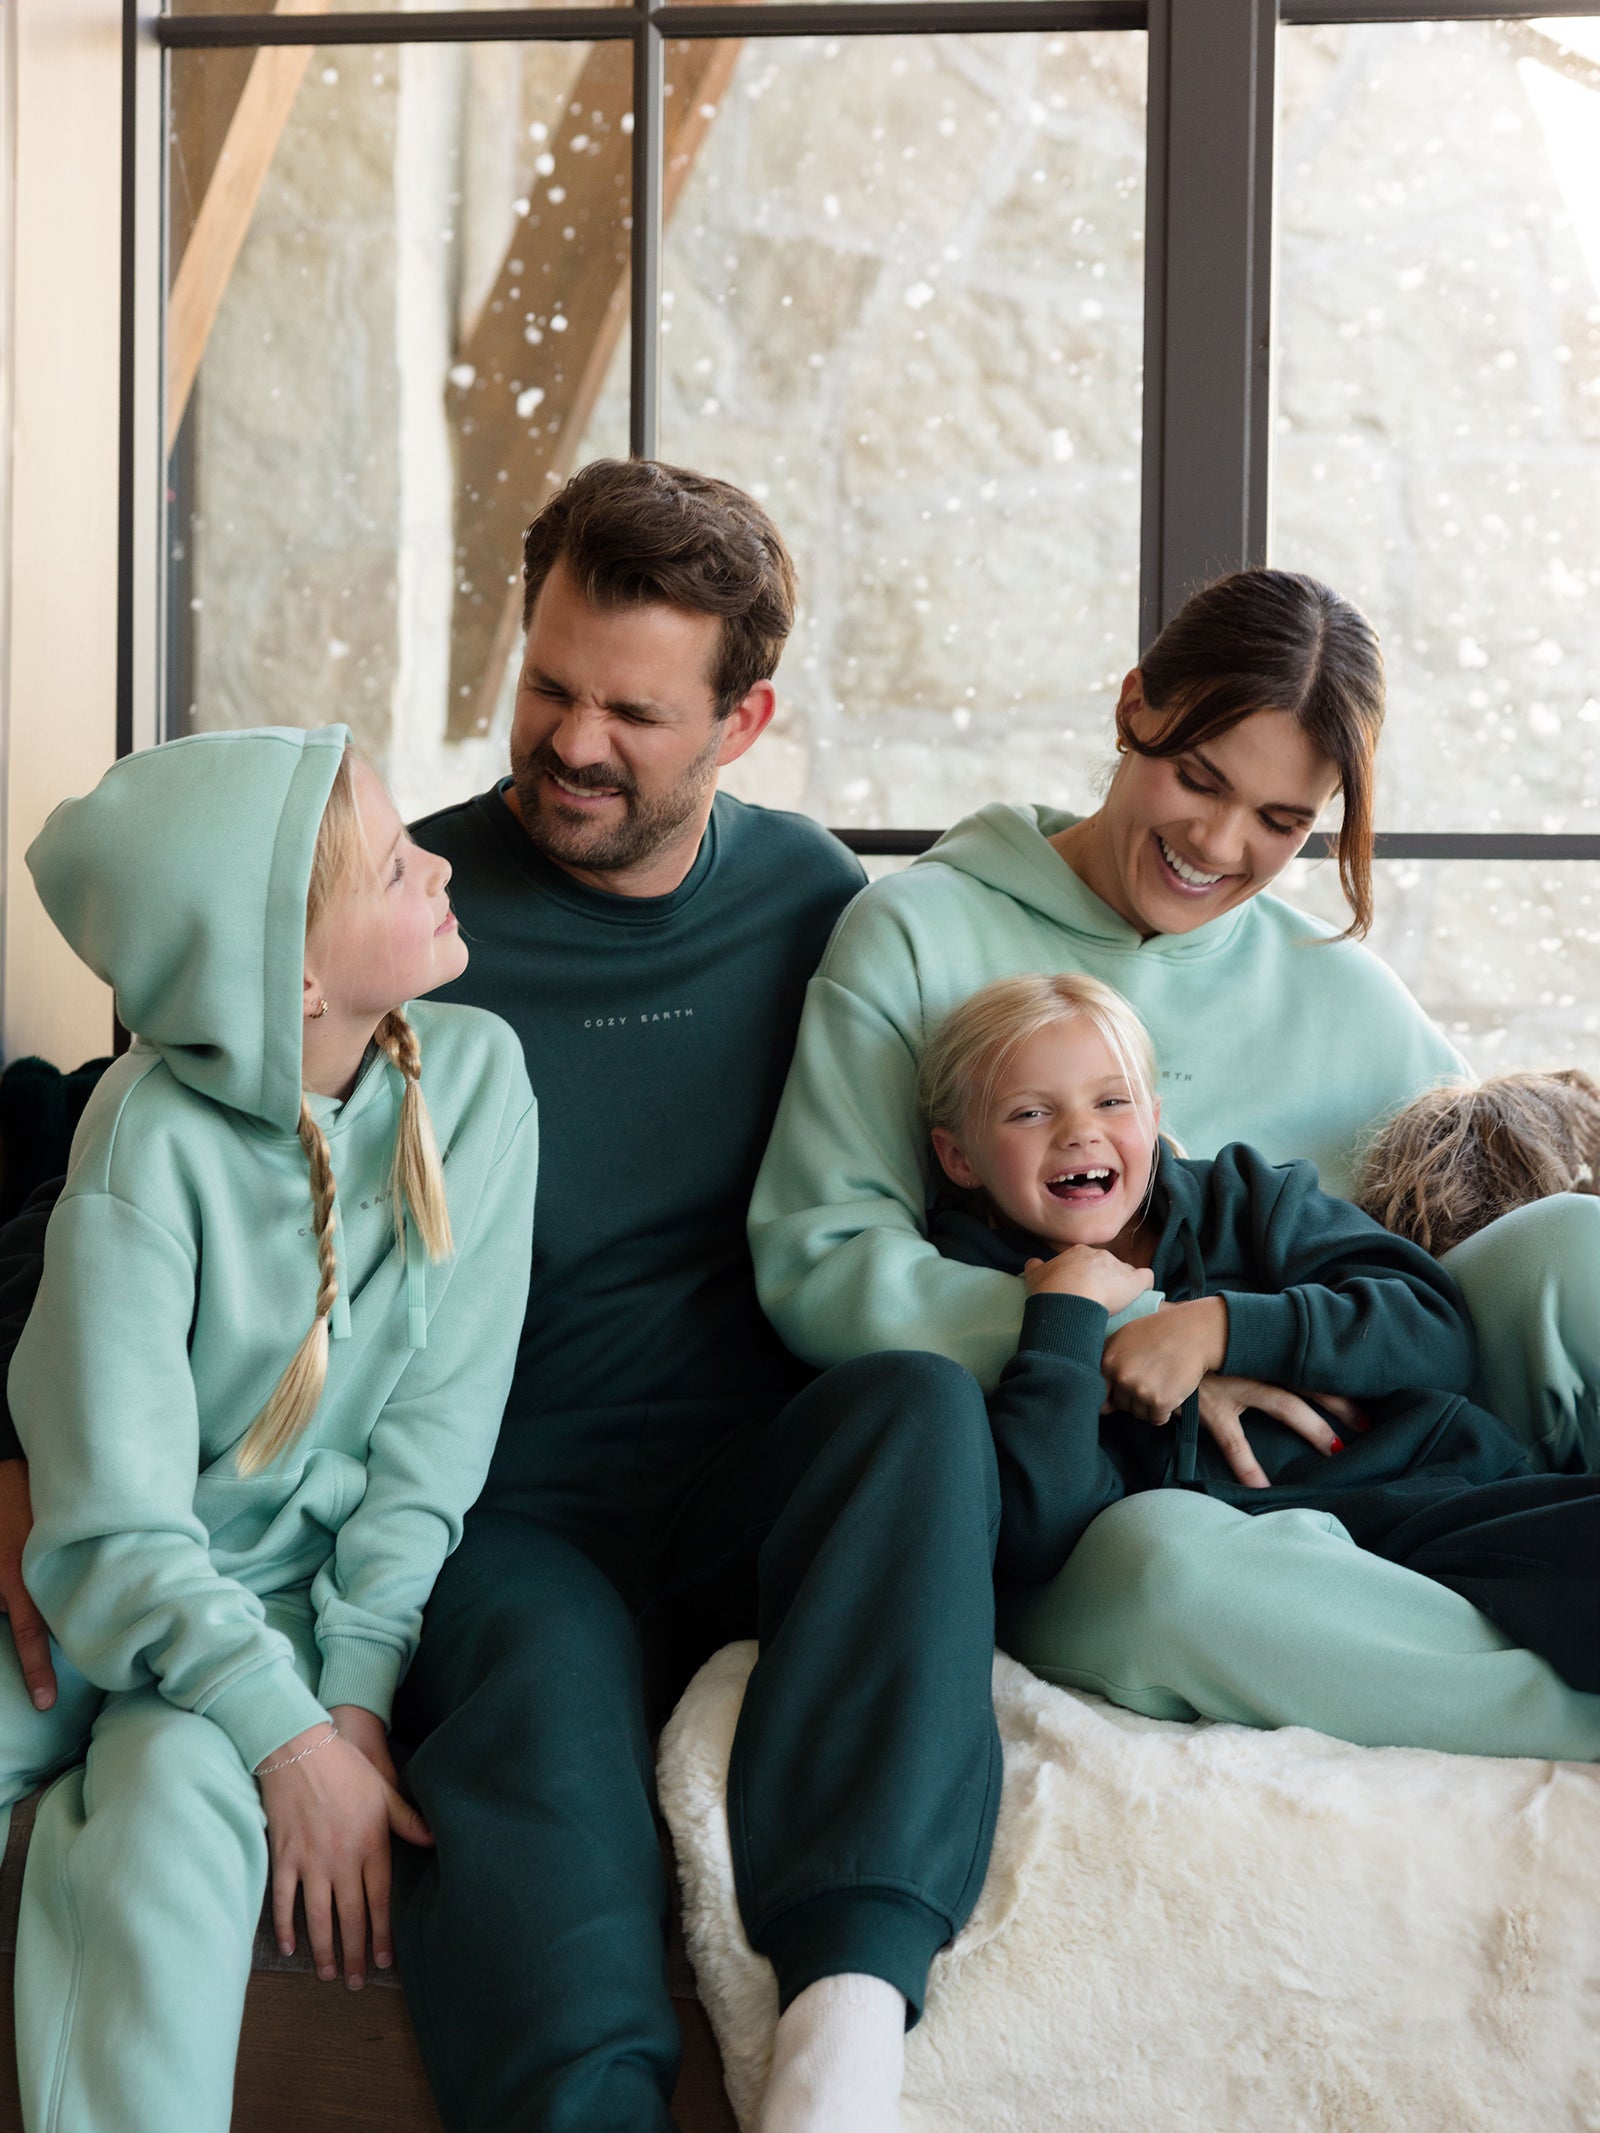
[
  {"x": 358, "y": 1670},
  {"x": 265, "y": 1709},
  {"x": 1263, "y": 1339},
  {"x": 1069, "y": 1326}
]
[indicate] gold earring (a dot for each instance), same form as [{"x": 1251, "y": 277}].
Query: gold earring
[{"x": 318, "y": 1011}]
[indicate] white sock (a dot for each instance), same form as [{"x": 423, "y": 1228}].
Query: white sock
[{"x": 838, "y": 2060}]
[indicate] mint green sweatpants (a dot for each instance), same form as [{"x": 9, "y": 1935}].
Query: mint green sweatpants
[
  {"x": 139, "y": 1904},
  {"x": 1182, "y": 1607}
]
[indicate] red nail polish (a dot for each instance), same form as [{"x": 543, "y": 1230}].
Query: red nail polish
[{"x": 1338, "y": 1444}]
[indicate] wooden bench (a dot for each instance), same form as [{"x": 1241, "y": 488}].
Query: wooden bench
[{"x": 321, "y": 2059}]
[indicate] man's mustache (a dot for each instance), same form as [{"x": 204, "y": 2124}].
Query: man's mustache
[{"x": 596, "y": 777}]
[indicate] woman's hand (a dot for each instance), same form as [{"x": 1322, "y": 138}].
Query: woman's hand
[
  {"x": 328, "y": 1824},
  {"x": 1152, "y": 1365},
  {"x": 1084, "y": 1270},
  {"x": 1223, "y": 1401},
  {"x": 28, "y": 1632}
]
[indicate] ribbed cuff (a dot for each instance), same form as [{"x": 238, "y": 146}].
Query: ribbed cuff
[
  {"x": 357, "y": 1670},
  {"x": 1069, "y": 1326},
  {"x": 875, "y": 1932},
  {"x": 265, "y": 1709},
  {"x": 1263, "y": 1338}
]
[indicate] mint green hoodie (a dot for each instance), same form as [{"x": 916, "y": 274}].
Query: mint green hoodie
[
  {"x": 1261, "y": 1035},
  {"x": 181, "y": 1267}
]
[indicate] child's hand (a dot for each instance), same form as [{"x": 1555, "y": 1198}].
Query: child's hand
[
  {"x": 328, "y": 1824},
  {"x": 365, "y": 1730},
  {"x": 1152, "y": 1365},
  {"x": 1084, "y": 1270}
]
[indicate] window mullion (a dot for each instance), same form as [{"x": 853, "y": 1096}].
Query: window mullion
[
  {"x": 649, "y": 121},
  {"x": 140, "y": 484},
  {"x": 1208, "y": 289}
]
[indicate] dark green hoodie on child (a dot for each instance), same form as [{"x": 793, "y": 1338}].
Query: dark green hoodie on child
[{"x": 1320, "y": 1299}]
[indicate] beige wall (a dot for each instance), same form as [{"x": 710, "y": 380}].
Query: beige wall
[{"x": 61, "y": 667}]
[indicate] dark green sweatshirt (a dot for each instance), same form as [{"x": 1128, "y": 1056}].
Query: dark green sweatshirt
[
  {"x": 1320, "y": 1299},
  {"x": 657, "y": 1032}
]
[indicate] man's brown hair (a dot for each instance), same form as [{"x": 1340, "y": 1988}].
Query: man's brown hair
[
  {"x": 1459, "y": 1157},
  {"x": 632, "y": 532}
]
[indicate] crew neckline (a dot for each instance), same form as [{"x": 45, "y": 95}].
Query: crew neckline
[
  {"x": 606, "y": 905},
  {"x": 1040, "y": 878}
]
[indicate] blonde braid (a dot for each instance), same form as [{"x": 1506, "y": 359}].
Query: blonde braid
[
  {"x": 295, "y": 1396},
  {"x": 418, "y": 1172}
]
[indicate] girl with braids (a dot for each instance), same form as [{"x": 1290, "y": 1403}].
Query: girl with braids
[{"x": 258, "y": 1393}]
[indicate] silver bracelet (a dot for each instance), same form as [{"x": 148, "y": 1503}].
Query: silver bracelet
[{"x": 265, "y": 1770}]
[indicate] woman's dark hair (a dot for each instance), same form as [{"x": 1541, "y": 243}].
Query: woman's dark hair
[
  {"x": 635, "y": 531},
  {"x": 1273, "y": 640}
]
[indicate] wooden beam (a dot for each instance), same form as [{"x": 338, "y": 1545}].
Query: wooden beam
[
  {"x": 524, "y": 387},
  {"x": 223, "y": 218}
]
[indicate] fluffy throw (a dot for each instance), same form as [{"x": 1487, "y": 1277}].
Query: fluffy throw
[{"x": 1205, "y": 1927}]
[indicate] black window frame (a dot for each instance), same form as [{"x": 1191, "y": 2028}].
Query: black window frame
[{"x": 1209, "y": 253}]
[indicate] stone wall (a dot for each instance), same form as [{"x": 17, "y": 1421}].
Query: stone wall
[{"x": 903, "y": 304}]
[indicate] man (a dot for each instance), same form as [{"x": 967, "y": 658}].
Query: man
[{"x": 667, "y": 1476}]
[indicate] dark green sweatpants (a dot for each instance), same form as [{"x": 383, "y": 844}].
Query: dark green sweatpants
[{"x": 853, "y": 1533}]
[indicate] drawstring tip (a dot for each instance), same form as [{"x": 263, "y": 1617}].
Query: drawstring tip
[
  {"x": 339, "y": 1318},
  {"x": 417, "y": 1326}
]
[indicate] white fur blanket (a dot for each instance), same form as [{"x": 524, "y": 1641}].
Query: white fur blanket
[{"x": 1204, "y": 1927}]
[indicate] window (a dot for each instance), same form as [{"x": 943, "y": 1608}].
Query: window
[
  {"x": 978, "y": 295},
  {"x": 1438, "y": 458}
]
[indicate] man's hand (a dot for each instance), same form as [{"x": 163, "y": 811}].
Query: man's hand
[
  {"x": 1223, "y": 1402},
  {"x": 1084, "y": 1270},
  {"x": 28, "y": 1632},
  {"x": 328, "y": 1822},
  {"x": 1152, "y": 1365}
]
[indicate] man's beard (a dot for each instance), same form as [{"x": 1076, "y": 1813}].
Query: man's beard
[{"x": 647, "y": 827}]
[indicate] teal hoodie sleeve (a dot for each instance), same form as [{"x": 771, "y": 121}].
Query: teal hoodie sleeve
[
  {"x": 843, "y": 1264},
  {"x": 431, "y": 1445},
  {"x": 118, "y": 1560},
  {"x": 1352, "y": 1309}
]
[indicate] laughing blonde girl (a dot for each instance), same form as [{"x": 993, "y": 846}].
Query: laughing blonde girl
[{"x": 1146, "y": 1270}]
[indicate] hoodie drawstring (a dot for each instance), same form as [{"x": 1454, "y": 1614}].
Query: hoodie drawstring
[
  {"x": 416, "y": 1287},
  {"x": 339, "y": 1316},
  {"x": 1184, "y": 1466}
]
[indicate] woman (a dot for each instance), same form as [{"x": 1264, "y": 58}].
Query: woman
[{"x": 1259, "y": 702}]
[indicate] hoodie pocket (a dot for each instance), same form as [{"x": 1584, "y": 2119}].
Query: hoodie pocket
[{"x": 275, "y": 1529}]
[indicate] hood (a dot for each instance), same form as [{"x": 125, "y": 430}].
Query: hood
[
  {"x": 1004, "y": 847},
  {"x": 181, "y": 880}
]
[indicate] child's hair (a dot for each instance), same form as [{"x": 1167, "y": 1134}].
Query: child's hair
[
  {"x": 1460, "y": 1156},
  {"x": 418, "y": 1174},
  {"x": 963, "y": 1060}
]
